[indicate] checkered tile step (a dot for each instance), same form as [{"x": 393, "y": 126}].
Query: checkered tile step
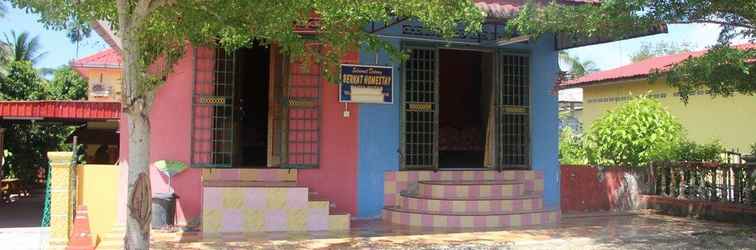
[
  {"x": 397, "y": 182},
  {"x": 417, "y": 218},
  {"x": 266, "y": 208},
  {"x": 520, "y": 204},
  {"x": 466, "y": 199},
  {"x": 482, "y": 189}
]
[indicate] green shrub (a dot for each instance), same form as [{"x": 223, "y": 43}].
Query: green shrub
[
  {"x": 753, "y": 149},
  {"x": 637, "y": 133},
  {"x": 571, "y": 148},
  {"x": 694, "y": 152}
]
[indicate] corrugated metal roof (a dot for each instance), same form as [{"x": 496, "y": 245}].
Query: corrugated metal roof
[
  {"x": 108, "y": 58},
  {"x": 60, "y": 110},
  {"x": 509, "y": 8},
  {"x": 639, "y": 69}
]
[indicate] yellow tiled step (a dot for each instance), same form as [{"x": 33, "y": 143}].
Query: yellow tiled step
[
  {"x": 338, "y": 222},
  {"x": 113, "y": 239},
  {"x": 267, "y": 208}
]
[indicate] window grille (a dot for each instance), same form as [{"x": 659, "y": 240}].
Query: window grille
[
  {"x": 420, "y": 119},
  {"x": 512, "y": 105},
  {"x": 212, "y": 108},
  {"x": 303, "y": 112}
]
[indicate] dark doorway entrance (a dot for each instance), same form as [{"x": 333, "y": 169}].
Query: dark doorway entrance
[
  {"x": 252, "y": 106},
  {"x": 462, "y": 109}
]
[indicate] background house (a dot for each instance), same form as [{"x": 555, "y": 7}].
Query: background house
[
  {"x": 102, "y": 71},
  {"x": 571, "y": 109},
  {"x": 705, "y": 118}
]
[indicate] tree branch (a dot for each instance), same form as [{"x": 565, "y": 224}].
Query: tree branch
[{"x": 740, "y": 25}]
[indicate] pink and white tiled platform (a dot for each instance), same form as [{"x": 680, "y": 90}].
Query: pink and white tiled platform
[
  {"x": 466, "y": 199},
  {"x": 263, "y": 200}
]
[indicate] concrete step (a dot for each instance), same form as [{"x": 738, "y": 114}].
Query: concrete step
[
  {"x": 470, "y": 220},
  {"x": 474, "y": 189},
  {"x": 526, "y": 202}
]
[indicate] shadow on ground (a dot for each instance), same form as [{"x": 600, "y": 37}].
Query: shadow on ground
[
  {"x": 20, "y": 222},
  {"x": 641, "y": 231}
]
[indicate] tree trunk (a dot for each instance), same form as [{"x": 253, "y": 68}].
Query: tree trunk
[
  {"x": 139, "y": 193},
  {"x": 136, "y": 104}
]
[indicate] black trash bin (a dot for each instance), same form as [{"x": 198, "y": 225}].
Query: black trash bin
[{"x": 163, "y": 209}]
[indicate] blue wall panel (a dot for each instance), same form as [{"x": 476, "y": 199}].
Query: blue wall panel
[
  {"x": 379, "y": 142},
  {"x": 379, "y": 127}
]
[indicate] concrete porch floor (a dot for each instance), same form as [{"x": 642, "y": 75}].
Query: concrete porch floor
[{"x": 634, "y": 231}]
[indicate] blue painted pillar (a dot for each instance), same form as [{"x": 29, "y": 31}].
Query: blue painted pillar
[
  {"x": 544, "y": 117},
  {"x": 379, "y": 141}
]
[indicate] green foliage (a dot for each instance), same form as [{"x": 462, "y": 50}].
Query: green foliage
[
  {"x": 66, "y": 84},
  {"x": 21, "y": 83},
  {"x": 577, "y": 66},
  {"x": 635, "y": 134},
  {"x": 753, "y": 149},
  {"x": 160, "y": 29},
  {"x": 572, "y": 148},
  {"x": 722, "y": 71},
  {"x": 649, "y": 50},
  {"x": 694, "y": 152},
  {"x": 28, "y": 143}
]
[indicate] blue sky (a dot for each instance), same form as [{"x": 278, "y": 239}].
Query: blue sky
[
  {"x": 606, "y": 56},
  {"x": 59, "y": 50},
  {"x": 616, "y": 54}
]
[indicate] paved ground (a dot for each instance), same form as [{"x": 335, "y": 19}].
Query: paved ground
[
  {"x": 20, "y": 223},
  {"x": 643, "y": 231}
]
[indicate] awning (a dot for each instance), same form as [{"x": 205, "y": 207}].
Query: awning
[{"x": 60, "y": 110}]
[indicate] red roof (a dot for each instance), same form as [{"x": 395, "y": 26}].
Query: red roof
[
  {"x": 508, "y": 8},
  {"x": 639, "y": 69},
  {"x": 60, "y": 110},
  {"x": 108, "y": 58}
]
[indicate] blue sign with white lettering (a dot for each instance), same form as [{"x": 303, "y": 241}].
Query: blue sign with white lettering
[{"x": 366, "y": 84}]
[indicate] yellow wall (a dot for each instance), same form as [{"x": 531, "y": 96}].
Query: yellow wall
[
  {"x": 97, "y": 189},
  {"x": 731, "y": 120},
  {"x": 106, "y": 76}
]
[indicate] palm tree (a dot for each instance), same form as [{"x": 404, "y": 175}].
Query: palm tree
[
  {"x": 23, "y": 47},
  {"x": 3, "y": 10},
  {"x": 577, "y": 67}
]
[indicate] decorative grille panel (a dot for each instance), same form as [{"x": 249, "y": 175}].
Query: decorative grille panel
[
  {"x": 303, "y": 113},
  {"x": 420, "y": 121},
  {"x": 512, "y": 111},
  {"x": 212, "y": 108}
]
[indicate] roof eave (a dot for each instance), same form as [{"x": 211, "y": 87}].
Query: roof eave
[
  {"x": 605, "y": 82},
  {"x": 103, "y": 29}
]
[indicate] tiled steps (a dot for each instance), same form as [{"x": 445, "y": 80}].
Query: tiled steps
[
  {"x": 472, "y": 200},
  {"x": 113, "y": 239},
  {"x": 526, "y": 202},
  {"x": 484, "y": 189},
  {"x": 267, "y": 207},
  {"x": 461, "y": 220}
]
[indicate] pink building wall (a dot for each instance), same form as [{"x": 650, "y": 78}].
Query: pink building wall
[
  {"x": 336, "y": 179},
  {"x": 170, "y": 139}
]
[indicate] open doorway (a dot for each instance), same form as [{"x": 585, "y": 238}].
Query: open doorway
[
  {"x": 252, "y": 88},
  {"x": 464, "y": 101}
]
